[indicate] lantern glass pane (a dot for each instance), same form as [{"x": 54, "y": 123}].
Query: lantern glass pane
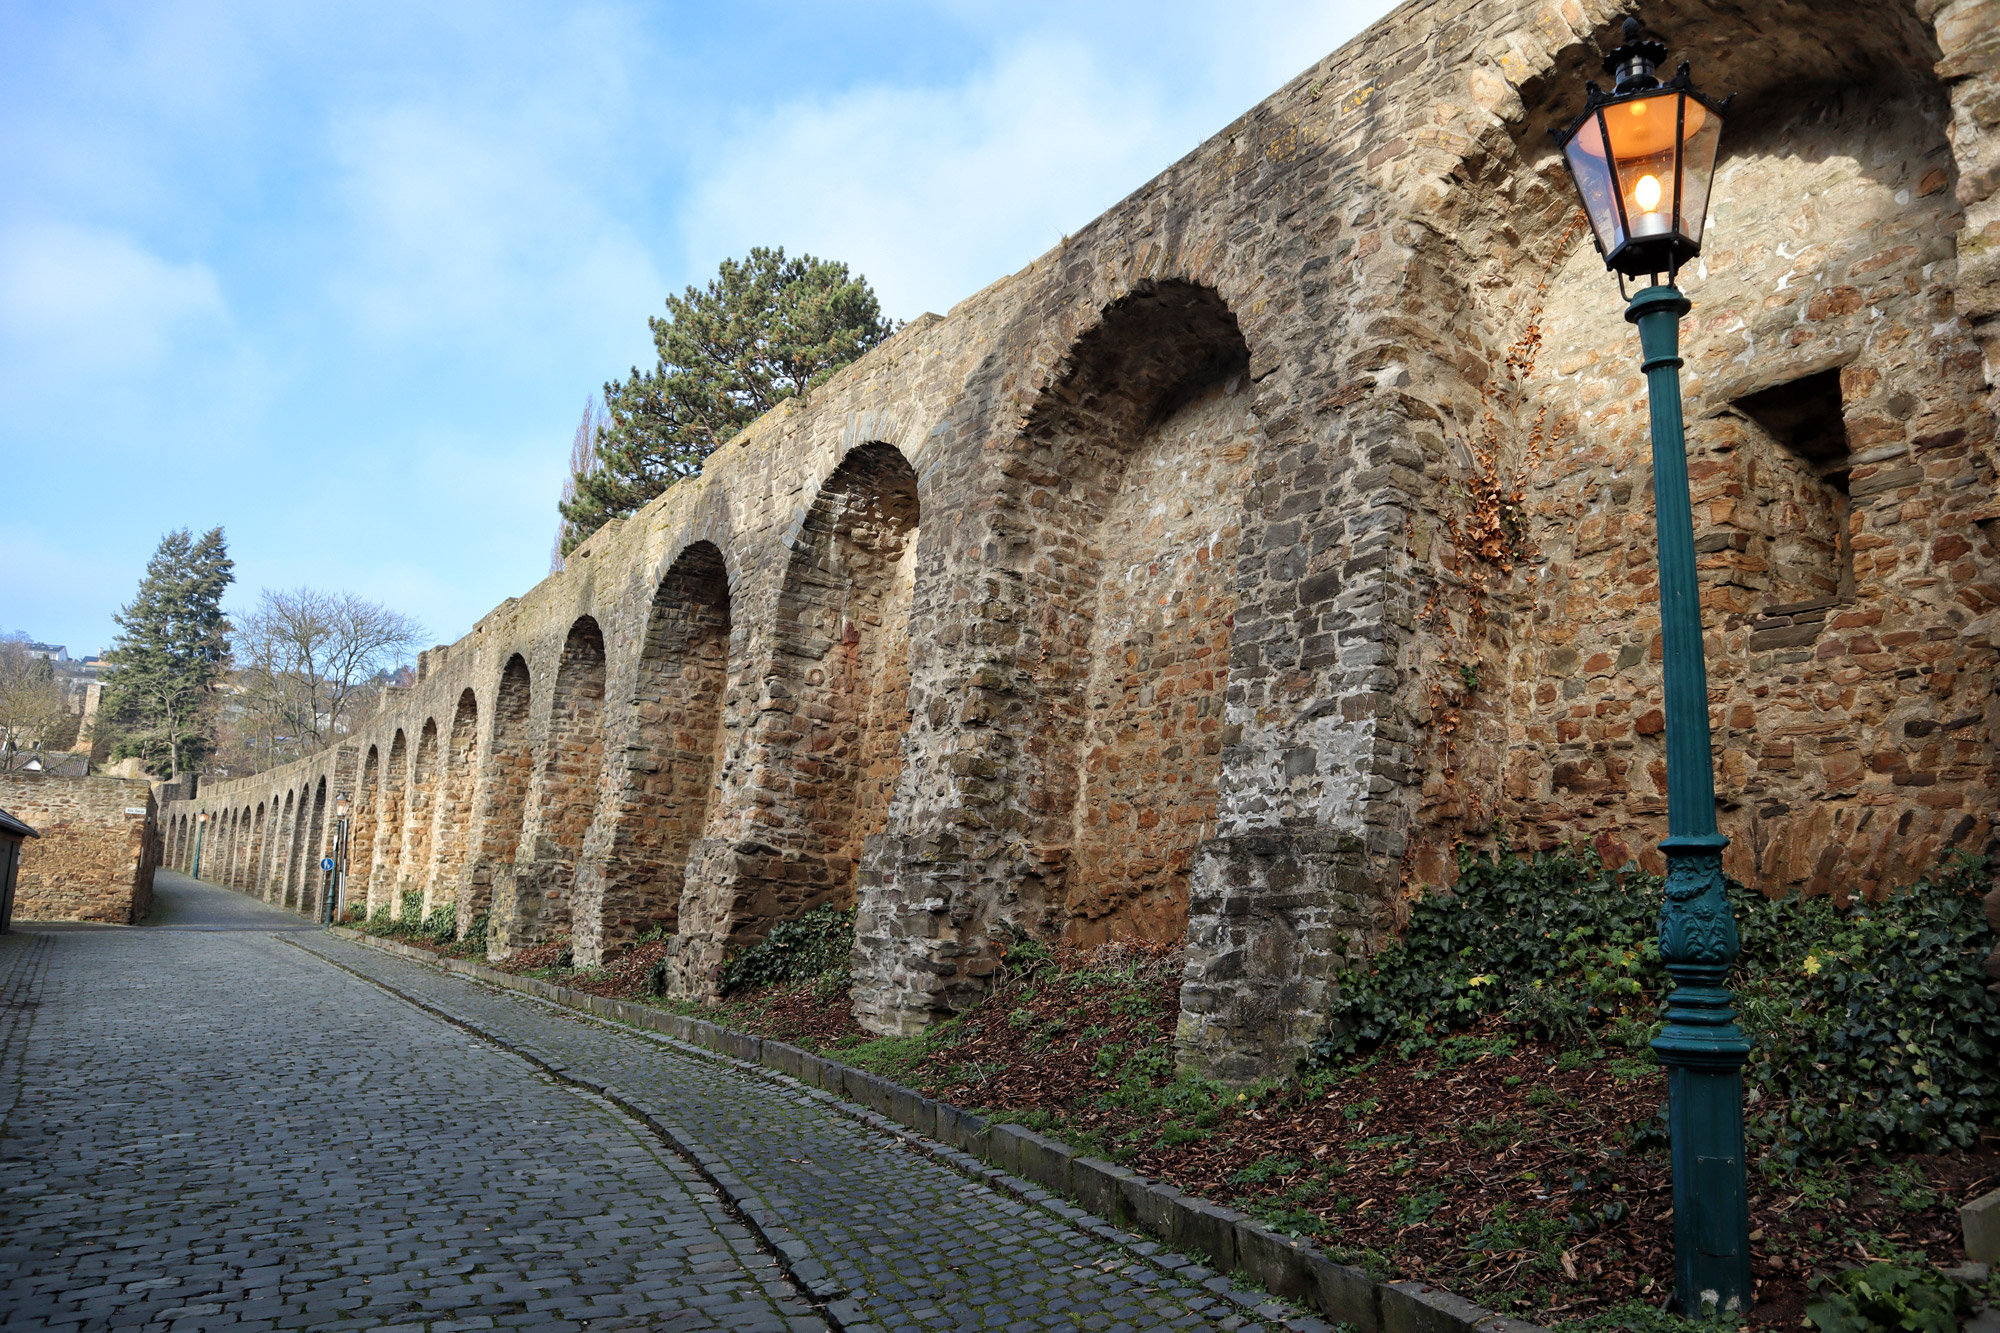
[
  {"x": 1587, "y": 161},
  {"x": 1699, "y": 136},
  {"x": 1644, "y": 139}
]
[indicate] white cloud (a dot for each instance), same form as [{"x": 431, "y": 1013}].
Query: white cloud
[
  {"x": 501, "y": 214},
  {"x": 935, "y": 191},
  {"x": 78, "y": 303},
  {"x": 931, "y": 192}
]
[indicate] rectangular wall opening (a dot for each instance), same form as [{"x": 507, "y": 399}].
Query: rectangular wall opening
[{"x": 1801, "y": 490}]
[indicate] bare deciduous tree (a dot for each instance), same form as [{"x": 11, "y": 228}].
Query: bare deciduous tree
[
  {"x": 582, "y": 462},
  {"x": 34, "y": 711},
  {"x": 306, "y": 663}
]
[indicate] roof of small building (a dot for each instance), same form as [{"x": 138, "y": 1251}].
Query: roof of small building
[{"x": 9, "y": 824}]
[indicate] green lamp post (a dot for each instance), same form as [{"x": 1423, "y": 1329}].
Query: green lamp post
[{"x": 1642, "y": 157}]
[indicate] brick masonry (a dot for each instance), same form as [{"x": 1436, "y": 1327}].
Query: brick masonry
[
  {"x": 99, "y": 843},
  {"x": 1287, "y": 524}
]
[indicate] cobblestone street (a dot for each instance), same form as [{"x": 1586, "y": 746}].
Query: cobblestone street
[{"x": 396, "y": 1146}]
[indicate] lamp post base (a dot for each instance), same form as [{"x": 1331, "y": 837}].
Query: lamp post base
[{"x": 1704, "y": 1052}]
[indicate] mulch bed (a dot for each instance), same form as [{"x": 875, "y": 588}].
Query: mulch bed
[
  {"x": 1501, "y": 1168},
  {"x": 1508, "y": 1175}
]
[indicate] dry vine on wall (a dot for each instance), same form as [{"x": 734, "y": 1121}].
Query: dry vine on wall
[{"x": 1484, "y": 537}]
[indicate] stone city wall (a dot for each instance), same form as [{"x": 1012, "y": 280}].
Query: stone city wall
[
  {"x": 1288, "y": 524},
  {"x": 98, "y": 846}
]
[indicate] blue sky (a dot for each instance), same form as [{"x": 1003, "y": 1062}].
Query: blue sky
[{"x": 339, "y": 277}]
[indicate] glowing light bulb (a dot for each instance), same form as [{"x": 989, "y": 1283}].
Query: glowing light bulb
[{"x": 1647, "y": 192}]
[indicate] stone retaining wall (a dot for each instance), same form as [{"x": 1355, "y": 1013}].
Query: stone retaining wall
[
  {"x": 94, "y": 859},
  {"x": 1284, "y": 526}
]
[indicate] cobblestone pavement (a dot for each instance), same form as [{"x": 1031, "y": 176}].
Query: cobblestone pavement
[
  {"x": 887, "y": 1236},
  {"x": 207, "y": 1129},
  {"x": 181, "y": 1150}
]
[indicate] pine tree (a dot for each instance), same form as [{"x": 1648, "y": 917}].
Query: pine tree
[
  {"x": 764, "y": 329},
  {"x": 161, "y": 674}
]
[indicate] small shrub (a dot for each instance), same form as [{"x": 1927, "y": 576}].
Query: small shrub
[
  {"x": 1870, "y": 1027},
  {"x": 806, "y": 948},
  {"x": 1883, "y": 1296},
  {"x": 1873, "y": 1027},
  {"x": 1418, "y": 1207},
  {"x": 440, "y": 927}
]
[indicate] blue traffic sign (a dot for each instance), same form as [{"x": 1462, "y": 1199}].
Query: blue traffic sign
[{"x": 326, "y": 863}]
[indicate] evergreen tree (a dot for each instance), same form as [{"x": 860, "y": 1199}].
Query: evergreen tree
[
  {"x": 764, "y": 329},
  {"x": 160, "y": 676}
]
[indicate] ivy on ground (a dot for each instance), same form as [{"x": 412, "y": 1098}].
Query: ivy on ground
[
  {"x": 1872, "y": 1026},
  {"x": 810, "y": 947}
]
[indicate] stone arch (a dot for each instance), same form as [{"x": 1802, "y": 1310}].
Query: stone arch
[
  {"x": 563, "y": 796},
  {"x": 311, "y": 878},
  {"x": 295, "y": 852},
  {"x": 389, "y": 828},
  {"x": 419, "y": 820},
  {"x": 635, "y": 859},
  {"x": 454, "y": 815},
  {"x": 1134, "y": 467},
  {"x": 361, "y": 828},
  {"x": 502, "y": 790},
  {"x": 232, "y": 870},
  {"x": 831, "y": 718},
  {"x": 254, "y": 871},
  {"x": 227, "y": 863},
  {"x": 273, "y": 836},
  {"x": 242, "y": 869},
  {"x": 281, "y": 842}
]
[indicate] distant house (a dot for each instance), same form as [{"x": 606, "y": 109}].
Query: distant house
[{"x": 53, "y": 652}]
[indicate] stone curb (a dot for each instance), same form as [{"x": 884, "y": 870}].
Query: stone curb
[{"x": 1229, "y": 1241}]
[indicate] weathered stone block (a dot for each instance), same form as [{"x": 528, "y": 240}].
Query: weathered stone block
[
  {"x": 1205, "y": 1229},
  {"x": 1100, "y": 1186},
  {"x": 1279, "y": 1262},
  {"x": 1042, "y": 1160},
  {"x": 1345, "y": 1295},
  {"x": 1980, "y": 1221}
]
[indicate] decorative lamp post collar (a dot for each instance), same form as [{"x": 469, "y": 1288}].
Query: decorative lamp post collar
[
  {"x": 1633, "y": 63},
  {"x": 1642, "y": 157}
]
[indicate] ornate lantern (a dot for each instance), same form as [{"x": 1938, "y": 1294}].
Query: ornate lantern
[{"x": 1642, "y": 157}]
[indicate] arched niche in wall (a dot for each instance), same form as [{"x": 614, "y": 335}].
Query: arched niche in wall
[
  {"x": 254, "y": 878},
  {"x": 454, "y": 816},
  {"x": 419, "y": 822},
  {"x": 502, "y": 788},
  {"x": 240, "y": 863},
  {"x": 1130, "y": 479},
  {"x": 843, "y": 672},
  {"x": 361, "y": 829},
  {"x": 389, "y": 830},
  {"x": 563, "y": 802},
  {"x": 295, "y": 870},
  {"x": 232, "y": 848},
  {"x": 668, "y": 785},
  {"x": 575, "y": 756},
  {"x": 279, "y": 860},
  {"x": 311, "y": 878}
]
